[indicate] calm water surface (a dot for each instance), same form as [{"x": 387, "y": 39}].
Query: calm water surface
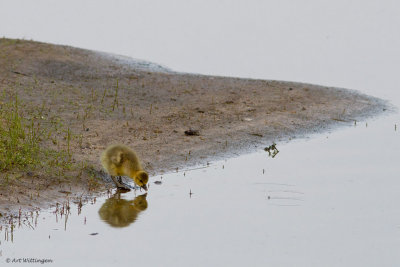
[
  {"x": 329, "y": 200},
  {"x": 351, "y": 44}
]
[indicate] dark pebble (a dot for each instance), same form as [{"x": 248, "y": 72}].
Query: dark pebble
[{"x": 192, "y": 132}]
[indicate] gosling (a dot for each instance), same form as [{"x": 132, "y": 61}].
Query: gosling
[{"x": 119, "y": 160}]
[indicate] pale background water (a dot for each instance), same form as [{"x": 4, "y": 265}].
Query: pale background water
[
  {"x": 333, "y": 199},
  {"x": 345, "y": 43}
]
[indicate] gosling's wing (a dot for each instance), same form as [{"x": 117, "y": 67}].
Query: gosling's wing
[{"x": 117, "y": 158}]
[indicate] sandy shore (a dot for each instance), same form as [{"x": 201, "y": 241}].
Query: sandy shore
[{"x": 104, "y": 99}]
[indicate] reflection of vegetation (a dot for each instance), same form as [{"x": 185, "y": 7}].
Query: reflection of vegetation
[
  {"x": 119, "y": 212},
  {"x": 272, "y": 150}
]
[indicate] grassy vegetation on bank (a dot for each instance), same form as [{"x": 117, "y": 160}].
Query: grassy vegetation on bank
[{"x": 22, "y": 143}]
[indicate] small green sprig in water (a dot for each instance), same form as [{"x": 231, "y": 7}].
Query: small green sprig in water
[{"x": 272, "y": 150}]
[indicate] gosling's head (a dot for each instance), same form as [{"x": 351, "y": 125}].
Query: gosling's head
[{"x": 141, "y": 178}]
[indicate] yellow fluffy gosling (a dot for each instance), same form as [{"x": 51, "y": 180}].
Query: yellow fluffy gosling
[{"x": 119, "y": 160}]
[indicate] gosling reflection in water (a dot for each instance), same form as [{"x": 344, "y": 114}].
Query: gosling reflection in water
[{"x": 119, "y": 212}]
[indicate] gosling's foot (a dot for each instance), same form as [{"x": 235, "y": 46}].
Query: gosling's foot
[
  {"x": 118, "y": 182},
  {"x": 124, "y": 188}
]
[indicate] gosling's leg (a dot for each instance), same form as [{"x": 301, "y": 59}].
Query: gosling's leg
[
  {"x": 124, "y": 185},
  {"x": 115, "y": 180},
  {"x": 118, "y": 182}
]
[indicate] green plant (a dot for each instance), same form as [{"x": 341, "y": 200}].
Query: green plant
[
  {"x": 19, "y": 140},
  {"x": 21, "y": 145}
]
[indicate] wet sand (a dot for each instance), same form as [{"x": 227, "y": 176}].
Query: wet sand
[{"x": 105, "y": 99}]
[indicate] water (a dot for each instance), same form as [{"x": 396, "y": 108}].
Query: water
[
  {"x": 329, "y": 200},
  {"x": 351, "y": 44}
]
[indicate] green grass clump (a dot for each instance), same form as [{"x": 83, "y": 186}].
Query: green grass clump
[{"x": 19, "y": 139}]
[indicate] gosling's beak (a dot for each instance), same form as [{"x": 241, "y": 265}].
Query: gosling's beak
[{"x": 144, "y": 187}]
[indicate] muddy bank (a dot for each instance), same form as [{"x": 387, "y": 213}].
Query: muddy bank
[{"x": 103, "y": 99}]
